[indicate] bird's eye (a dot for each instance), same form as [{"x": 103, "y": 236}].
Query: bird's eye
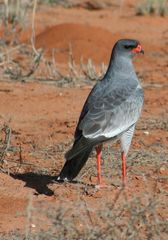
[{"x": 128, "y": 46}]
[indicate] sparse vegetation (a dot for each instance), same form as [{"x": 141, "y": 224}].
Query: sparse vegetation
[
  {"x": 153, "y": 7},
  {"x": 79, "y": 211},
  {"x": 37, "y": 67},
  {"x": 5, "y": 133},
  {"x": 119, "y": 217},
  {"x": 13, "y": 19},
  {"x": 35, "y": 64},
  {"x": 90, "y": 5}
]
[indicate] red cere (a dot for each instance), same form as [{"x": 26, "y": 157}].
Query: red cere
[{"x": 138, "y": 49}]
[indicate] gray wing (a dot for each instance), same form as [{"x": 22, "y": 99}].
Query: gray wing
[{"x": 110, "y": 111}]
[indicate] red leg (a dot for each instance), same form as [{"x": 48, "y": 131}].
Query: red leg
[
  {"x": 98, "y": 150},
  {"x": 123, "y": 157}
]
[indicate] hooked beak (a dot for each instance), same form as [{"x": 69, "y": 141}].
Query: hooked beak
[{"x": 138, "y": 49}]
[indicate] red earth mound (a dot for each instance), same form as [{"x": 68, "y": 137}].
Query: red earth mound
[{"x": 86, "y": 41}]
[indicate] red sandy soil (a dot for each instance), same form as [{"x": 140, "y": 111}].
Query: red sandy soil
[{"x": 43, "y": 117}]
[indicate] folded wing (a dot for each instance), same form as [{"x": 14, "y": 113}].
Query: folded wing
[{"x": 108, "y": 113}]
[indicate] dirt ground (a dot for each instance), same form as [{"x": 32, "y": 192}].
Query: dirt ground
[{"x": 42, "y": 118}]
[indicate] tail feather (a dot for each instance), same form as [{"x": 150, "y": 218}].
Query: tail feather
[
  {"x": 79, "y": 146},
  {"x": 74, "y": 164}
]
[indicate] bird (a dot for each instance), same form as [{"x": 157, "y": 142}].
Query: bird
[{"x": 110, "y": 112}]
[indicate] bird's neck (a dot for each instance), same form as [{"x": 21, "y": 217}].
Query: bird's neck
[{"x": 120, "y": 66}]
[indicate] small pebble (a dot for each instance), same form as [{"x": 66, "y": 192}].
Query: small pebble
[{"x": 162, "y": 169}]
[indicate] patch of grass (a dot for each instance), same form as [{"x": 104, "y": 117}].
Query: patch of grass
[
  {"x": 35, "y": 66},
  {"x": 151, "y": 7},
  {"x": 91, "y": 5},
  {"x": 13, "y": 18},
  {"x": 64, "y": 3},
  {"x": 5, "y": 132},
  {"x": 52, "y": 1}
]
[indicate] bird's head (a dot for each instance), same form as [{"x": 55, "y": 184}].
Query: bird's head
[{"x": 128, "y": 47}]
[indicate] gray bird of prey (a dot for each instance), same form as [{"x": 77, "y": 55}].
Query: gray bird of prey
[{"x": 109, "y": 113}]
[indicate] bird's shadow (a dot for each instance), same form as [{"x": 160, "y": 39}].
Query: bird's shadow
[
  {"x": 36, "y": 181},
  {"x": 39, "y": 182}
]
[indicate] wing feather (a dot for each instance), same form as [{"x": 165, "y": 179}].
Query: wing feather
[
  {"x": 109, "y": 111},
  {"x": 116, "y": 120}
]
